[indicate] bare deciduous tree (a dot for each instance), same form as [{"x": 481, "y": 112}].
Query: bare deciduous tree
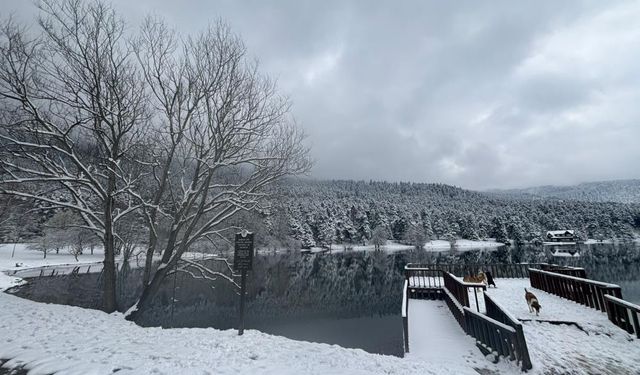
[
  {"x": 183, "y": 132},
  {"x": 223, "y": 135},
  {"x": 72, "y": 101}
]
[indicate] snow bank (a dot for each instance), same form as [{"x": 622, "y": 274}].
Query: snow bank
[
  {"x": 67, "y": 340},
  {"x": 25, "y": 259}
]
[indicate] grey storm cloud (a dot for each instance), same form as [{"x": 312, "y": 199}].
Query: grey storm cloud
[{"x": 476, "y": 94}]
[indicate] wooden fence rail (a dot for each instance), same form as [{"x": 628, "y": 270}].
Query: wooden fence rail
[
  {"x": 518, "y": 343},
  {"x": 565, "y": 270},
  {"x": 490, "y": 334},
  {"x": 623, "y": 314},
  {"x": 584, "y": 291},
  {"x": 423, "y": 277},
  {"x": 498, "y": 270},
  {"x": 460, "y": 289}
]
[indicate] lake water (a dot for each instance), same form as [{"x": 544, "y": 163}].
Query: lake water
[
  {"x": 350, "y": 299},
  {"x": 618, "y": 264}
]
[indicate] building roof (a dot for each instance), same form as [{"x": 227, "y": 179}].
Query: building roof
[{"x": 560, "y": 232}]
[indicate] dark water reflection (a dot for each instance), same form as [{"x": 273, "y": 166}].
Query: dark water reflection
[
  {"x": 352, "y": 299},
  {"x": 374, "y": 334}
]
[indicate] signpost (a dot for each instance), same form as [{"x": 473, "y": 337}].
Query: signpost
[{"x": 243, "y": 262}]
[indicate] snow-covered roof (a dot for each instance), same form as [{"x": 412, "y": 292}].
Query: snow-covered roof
[{"x": 560, "y": 232}]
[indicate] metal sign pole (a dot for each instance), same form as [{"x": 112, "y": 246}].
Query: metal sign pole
[{"x": 243, "y": 284}]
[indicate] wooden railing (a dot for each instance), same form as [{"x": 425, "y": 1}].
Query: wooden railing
[
  {"x": 420, "y": 277},
  {"x": 497, "y": 333},
  {"x": 517, "y": 345},
  {"x": 623, "y": 314},
  {"x": 405, "y": 315},
  {"x": 584, "y": 291},
  {"x": 456, "y": 309},
  {"x": 502, "y": 270},
  {"x": 565, "y": 270},
  {"x": 424, "y": 283},
  {"x": 460, "y": 289}
]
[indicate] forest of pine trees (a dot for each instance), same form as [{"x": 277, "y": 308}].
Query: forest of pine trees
[{"x": 324, "y": 212}]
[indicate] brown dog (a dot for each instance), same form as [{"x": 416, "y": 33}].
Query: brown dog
[
  {"x": 479, "y": 278},
  {"x": 532, "y": 301}
]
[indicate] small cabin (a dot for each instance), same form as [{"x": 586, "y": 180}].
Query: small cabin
[{"x": 561, "y": 236}]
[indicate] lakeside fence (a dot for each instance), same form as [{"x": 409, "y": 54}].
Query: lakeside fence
[
  {"x": 624, "y": 314},
  {"x": 587, "y": 292},
  {"x": 605, "y": 297},
  {"x": 498, "y": 270}
]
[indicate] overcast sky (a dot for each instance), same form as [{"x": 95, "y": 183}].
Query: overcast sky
[{"x": 479, "y": 94}]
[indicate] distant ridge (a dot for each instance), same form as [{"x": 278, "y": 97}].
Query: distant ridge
[{"x": 621, "y": 191}]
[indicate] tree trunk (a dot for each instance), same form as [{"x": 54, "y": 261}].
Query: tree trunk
[
  {"x": 148, "y": 294},
  {"x": 109, "y": 280},
  {"x": 109, "y": 303},
  {"x": 148, "y": 262}
]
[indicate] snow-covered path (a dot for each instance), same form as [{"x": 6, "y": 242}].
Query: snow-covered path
[
  {"x": 436, "y": 337},
  {"x": 595, "y": 347}
]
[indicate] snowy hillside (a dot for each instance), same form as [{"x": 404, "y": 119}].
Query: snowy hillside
[{"x": 622, "y": 191}]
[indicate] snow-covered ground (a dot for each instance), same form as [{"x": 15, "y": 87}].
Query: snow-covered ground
[
  {"x": 70, "y": 340},
  {"x": 436, "y": 337},
  {"x": 47, "y": 338},
  {"x": 25, "y": 258},
  {"x": 596, "y": 347}
]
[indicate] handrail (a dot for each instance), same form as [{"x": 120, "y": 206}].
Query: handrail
[
  {"x": 425, "y": 278},
  {"x": 584, "y": 291},
  {"x": 497, "y": 312},
  {"x": 404, "y": 299},
  {"x": 490, "y": 320},
  {"x": 459, "y": 289},
  {"x": 581, "y": 279},
  {"x": 621, "y": 302},
  {"x": 405, "y": 315},
  {"x": 499, "y": 270},
  {"x": 624, "y": 314}
]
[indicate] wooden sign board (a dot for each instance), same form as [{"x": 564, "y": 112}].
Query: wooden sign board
[{"x": 243, "y": 255}]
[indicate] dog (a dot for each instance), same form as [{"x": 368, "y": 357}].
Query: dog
[
  {"x": 532, "y": 301},
  {"x": 480, "y": 278},
  {"x": 490, "y": 279}
]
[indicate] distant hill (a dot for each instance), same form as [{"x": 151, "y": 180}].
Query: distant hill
[{"x": 622, "y": 191}]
